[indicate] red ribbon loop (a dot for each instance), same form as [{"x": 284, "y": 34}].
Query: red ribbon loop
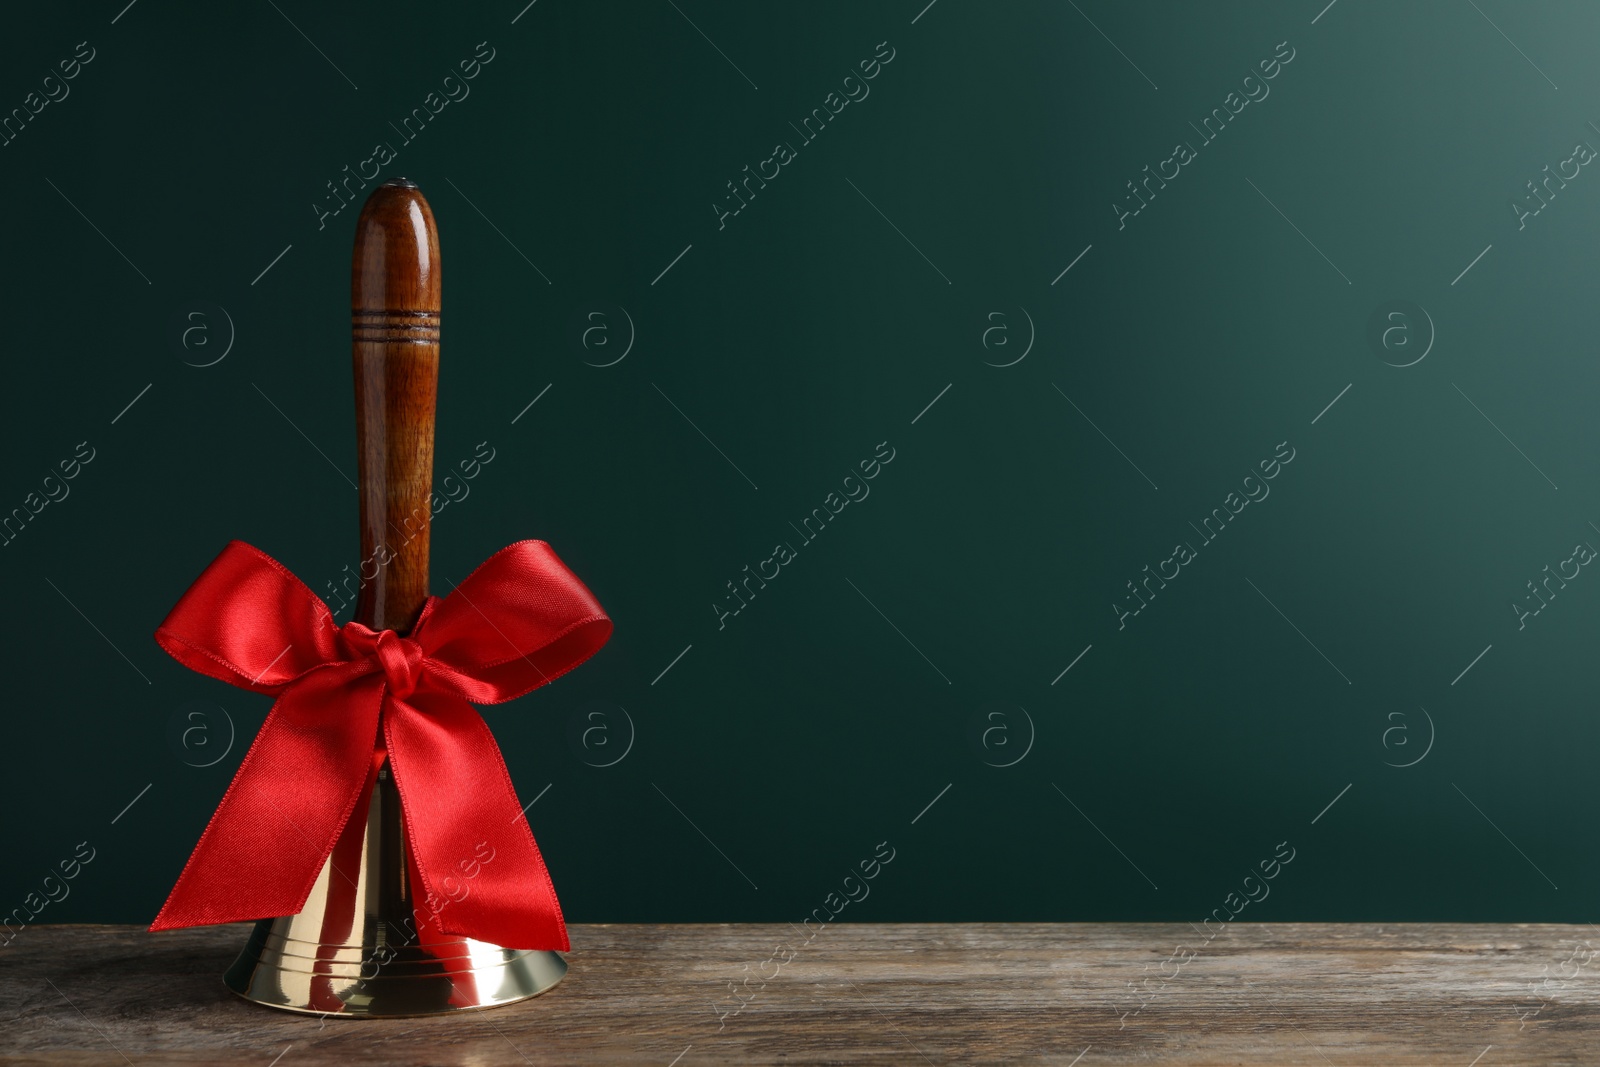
[{"x": 518, "y": 621}]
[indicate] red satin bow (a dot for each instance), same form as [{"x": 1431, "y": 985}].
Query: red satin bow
[{"x": 518, "y": 621}]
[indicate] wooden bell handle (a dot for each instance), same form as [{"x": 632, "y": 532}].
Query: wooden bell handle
[{"x": 394, "y": 334}]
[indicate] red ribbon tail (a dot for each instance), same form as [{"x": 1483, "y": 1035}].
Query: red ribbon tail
[
  {"x": 265, "y": 846},
  {"x": 480, "y": 868}
]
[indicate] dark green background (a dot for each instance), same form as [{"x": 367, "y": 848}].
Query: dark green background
[{"x": 798, "y": 338}]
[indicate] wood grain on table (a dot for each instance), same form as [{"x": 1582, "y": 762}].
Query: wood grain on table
[{"x": 1057, "y": 993}]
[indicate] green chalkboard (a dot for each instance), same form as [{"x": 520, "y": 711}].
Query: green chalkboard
[{"x": 1092, "y": 453}]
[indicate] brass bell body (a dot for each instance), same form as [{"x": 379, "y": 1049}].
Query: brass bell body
[{"x": 360, "y": 949}]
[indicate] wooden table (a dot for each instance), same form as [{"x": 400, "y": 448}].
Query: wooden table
[{"x": 1328, "y": 994}]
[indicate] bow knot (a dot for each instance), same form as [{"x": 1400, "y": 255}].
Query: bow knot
[
  {"x": 399, "y": 657},
  {"x": 518, "y": 621}
]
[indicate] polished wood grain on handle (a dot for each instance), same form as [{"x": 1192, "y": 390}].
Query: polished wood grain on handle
[{"x": 394, "y": 331}]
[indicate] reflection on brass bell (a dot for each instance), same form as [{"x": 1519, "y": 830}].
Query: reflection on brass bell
[{"x": 362, "y": 947}]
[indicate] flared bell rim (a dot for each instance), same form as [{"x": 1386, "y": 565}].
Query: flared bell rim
[
  {"x": 298, "y": 1010},
  {"x": 264, "y": 976},
  {"x": 385, "y": 1014}
]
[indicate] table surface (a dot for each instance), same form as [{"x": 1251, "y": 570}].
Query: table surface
[{"x": 1059, "y": 993}]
